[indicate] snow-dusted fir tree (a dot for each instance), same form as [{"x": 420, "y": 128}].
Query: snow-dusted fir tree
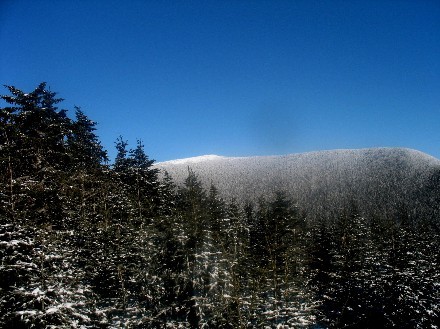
[
  {"x": 42, "y": 284},
  {"x": 279, "y": 285}
]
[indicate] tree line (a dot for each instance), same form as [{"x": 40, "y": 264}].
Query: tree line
[{"x": 88, "y": 244}]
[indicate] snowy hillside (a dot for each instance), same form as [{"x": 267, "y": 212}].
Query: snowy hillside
[
  {"x": 198, "y": 159},
  {"x": 376, "y": 179}
]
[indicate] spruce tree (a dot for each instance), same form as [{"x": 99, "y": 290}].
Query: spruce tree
[
  {"x": 83, "y": 144},
  {"x": 144, "y": 182},
  {"x": 9, "y": 164},
  {"x": 40, "y": 134}
]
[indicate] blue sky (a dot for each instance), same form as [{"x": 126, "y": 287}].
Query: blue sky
[{"x": 235, "y": 77}]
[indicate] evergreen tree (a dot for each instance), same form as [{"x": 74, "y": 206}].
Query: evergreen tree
[
  {"x": 83, "y": 144},
  {"x": 279, "y": 287},
  {"x": 167, "y": 192},
  {"x": 138, "y": 177},
  {"x": 85, "y": 180},
  {"x": 121, "y": 162},
  {"x": 192, "y": 206},
  {"x": 42, "y": 285},
  {"x": 39, "y": 138},
  {"x": 236, "y": 252},
  {"x": 144, "y": 182},
  {"x": 9, "y": 164}
]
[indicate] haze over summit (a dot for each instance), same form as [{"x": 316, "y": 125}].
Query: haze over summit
[{"x": 235, "y": 78}]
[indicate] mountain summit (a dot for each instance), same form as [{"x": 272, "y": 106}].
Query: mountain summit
[{"x": 374, "y": 179}]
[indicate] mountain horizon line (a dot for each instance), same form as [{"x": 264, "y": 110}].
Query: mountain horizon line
[{"x": 212, "y": 156}]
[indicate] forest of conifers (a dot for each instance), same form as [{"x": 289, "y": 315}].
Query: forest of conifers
[{"x": 88, "y": 244}]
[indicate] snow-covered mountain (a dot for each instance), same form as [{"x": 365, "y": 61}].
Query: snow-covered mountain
[
  {"x": 197, "y": 159},
  {"x": 375, "y": 179}
]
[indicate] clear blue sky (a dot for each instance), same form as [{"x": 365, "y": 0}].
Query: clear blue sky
[{"x": 235, "y": 77}]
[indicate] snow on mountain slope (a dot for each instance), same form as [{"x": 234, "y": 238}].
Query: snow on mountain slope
[
  {"x": 197, "y": 159},
  {"x": 376, "y": 179}
]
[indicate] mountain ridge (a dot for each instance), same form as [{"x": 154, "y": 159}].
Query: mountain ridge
[
  {"x": 208, "y": 157},
  {"x": 375, "y": 179}
]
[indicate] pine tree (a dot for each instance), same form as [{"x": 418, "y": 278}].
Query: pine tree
[
  {"x": 85, "y": 180},
  {"x": 279, "y": 286},
  {"x": 83, "y": 144},
  {"x": 144, "y": 182},
  {"x": 192, "y": 205},
  {"x": 9, "y": 164},
  {"x": 167, "y": 192},
  {"x": 121, "y": 162},
  {"x": 235, "y": 250},
  {"x": 39, "y": 135},
  {"x": 409, "y": 269},
  {"x": 138, "y": 177},
  {"x": 42, "y": 284}
]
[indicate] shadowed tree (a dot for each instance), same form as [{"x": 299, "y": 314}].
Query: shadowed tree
[
  {"x": 83, "y": 144},
  {"x": 39, "y": 136}
]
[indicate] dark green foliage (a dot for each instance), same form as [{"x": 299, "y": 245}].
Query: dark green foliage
[
  {"x": 42, "y": 129},
  {"x": 374, "y": 273},
  {"x": 83, "y": 144},
  {"x": 135, "y": 174},
  {"x": 33, "y": 161}
]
